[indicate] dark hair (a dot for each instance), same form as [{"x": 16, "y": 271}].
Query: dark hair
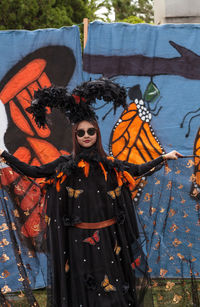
[{"x": 77, "y": 148}]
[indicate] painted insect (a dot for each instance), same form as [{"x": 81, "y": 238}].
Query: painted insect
[
  {"x": 133, "y": 138},
  {"x": 23, "y": 138}
]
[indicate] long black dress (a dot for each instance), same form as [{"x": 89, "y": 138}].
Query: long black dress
[{"x": 103, "y": 267}]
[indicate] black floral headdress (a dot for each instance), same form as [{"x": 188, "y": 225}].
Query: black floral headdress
[{"x": 79, "y": 104}]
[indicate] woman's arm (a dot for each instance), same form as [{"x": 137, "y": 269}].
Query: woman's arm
[
  {"x": 45, "y": 170},
  {"x": 139, "y": 170}
]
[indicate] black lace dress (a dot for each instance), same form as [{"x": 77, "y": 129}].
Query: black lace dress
[{"x": 95, "y": 267}]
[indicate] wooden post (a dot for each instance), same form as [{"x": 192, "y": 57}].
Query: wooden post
[{"x": 85, "y": 31}]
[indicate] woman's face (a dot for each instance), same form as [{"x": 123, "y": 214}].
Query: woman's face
[{"x": 86, "y": 134}]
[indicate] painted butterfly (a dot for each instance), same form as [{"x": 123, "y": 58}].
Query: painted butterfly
[
  {"x": 136, "y": 263},
  {"x": 195, "y": 189},
  {"x": 132, "y": 138},
  {"x": 94, "y": 239},
  {"x": 23, "y": 138}
]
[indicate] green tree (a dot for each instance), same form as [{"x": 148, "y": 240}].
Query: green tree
[
  {"x": 123, "y": 9},
  {"x": 34, "y": 14},
  {"x": 144, "y": 10},
  {"x": 133, "y": 20}
]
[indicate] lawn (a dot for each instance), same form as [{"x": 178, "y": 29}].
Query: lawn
[{"x": 165, "y": 292}]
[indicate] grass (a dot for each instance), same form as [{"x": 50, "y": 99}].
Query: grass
[{"x": 165, "y": 292}]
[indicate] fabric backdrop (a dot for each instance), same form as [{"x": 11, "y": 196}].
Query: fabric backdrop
[{"x": 159, "y": 66}]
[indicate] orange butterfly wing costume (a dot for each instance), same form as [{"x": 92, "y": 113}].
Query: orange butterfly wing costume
[{"x": 133, "y": 139}]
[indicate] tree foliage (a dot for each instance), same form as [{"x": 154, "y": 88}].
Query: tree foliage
[
  {"x": 123, "y": 9},
  {"x": 133, "y": 20},
  {"x": 34, "y": 14}
]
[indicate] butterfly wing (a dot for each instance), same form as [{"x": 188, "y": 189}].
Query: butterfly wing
[
  {"x": 136, "y": 263},
  {"x": 96, "y": 236},
  {"x": 70, "y": 191},
  {"x": 77, "y": 193},
  {"x": 90, "y": 241},
  {"x": 117, "y": 249},
  {"x": 133, "y": 139},
  {"x": 111, "y": 194},
  {"x": 118, "y": 191},
  {"x": 23, "y": 138},
  {"x": 106, "y": 285}
]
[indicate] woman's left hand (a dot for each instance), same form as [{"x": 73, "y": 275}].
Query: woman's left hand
[{"x": 172, "y": 155}]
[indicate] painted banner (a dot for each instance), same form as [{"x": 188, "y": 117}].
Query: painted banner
[
  {"x": 30, "y": 60},
  {"x": 159, "y": 66}
]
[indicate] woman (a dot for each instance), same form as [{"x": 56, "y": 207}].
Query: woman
[{"x": 94, "y": 254}]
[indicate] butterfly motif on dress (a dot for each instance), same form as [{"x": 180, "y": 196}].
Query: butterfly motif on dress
[
  {"x": 136, "y": 263},
  {"x": 106, "y": 285},
  {"x": 74, "y": 193},
  {"x": 117, "y": 248},
  {"x": 67, "y": 266},
  {"x": 115, "y": 193},
  {"x": 94, "y": 239}
]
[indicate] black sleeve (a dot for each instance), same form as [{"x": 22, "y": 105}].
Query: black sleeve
[
  {"x": 139, "y": 170},
  {"x": 45, "y": 170}
]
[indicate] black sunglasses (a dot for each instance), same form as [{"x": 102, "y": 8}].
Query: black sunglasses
[{"x": 80, "y": 132}]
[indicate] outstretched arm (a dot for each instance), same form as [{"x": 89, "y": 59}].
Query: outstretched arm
[
  {"x": 139, "y": 170},
  {"x": 45, "y": 170}
]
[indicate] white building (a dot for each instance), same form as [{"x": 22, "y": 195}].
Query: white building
[{"x": 176, "y": 11}]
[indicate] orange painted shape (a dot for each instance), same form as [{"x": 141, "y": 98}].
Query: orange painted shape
[
  {"x": 44, "y": 80},
  {"x": 45, "y": 151},
  {"x": 25, "y": 100},
  {"x": 22, "y": 186},
  {"x": 143, "y": 151},
  {"x": 152, "y": 139},
  {"x": 19, "y": 119},
  {"x": 33, "y": 87},
  {"x": 23, "y": 78},
  {"x": 8, "y": 176},
  {"x": 31, "y": 198},
  {"x": 32, "y": 226},
  {"x": 23, "y": 154}
]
